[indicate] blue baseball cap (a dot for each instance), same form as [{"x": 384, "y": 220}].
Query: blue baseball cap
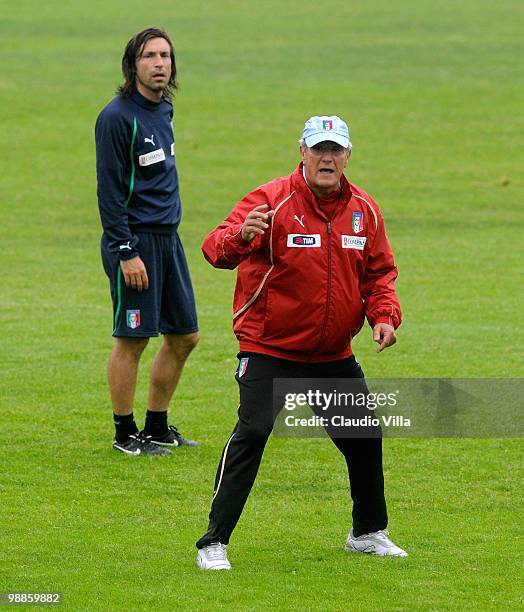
[{"x": 319, "y": 129}]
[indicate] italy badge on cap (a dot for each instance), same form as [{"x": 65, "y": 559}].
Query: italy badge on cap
[{"x": 322, "y": 128}]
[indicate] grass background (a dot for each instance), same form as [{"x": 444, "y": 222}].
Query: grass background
[{"x": 433, "y": 95}]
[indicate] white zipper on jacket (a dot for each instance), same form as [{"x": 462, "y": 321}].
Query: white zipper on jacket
[
  {"x": 328, "y": 296},
  {"x": 259, "y": 288}
]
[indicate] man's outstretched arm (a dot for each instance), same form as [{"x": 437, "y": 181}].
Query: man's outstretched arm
[{"x": 244, "y": 231}]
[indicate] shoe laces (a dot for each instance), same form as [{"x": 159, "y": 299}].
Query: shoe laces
[
  {"x": 381, "y": 534},
  {"x": 216, "y": 551},
  {"x": 141, "y": 437},
  {"x": 175, "y": 431}
]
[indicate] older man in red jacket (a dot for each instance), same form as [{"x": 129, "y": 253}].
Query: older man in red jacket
[{"x": 313, "y": 263}]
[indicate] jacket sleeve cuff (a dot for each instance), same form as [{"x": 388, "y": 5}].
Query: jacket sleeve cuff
[
  {"x": 383, "y": 319},
  {"x": 239, "y": 243},
  {"x": 126, "y": 255},
  {"x": 127, "y": 248},
  {"x": 234, "y": 245}
]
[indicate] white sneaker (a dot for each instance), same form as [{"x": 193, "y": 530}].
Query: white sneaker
[
  {"x": 213, "y": 557},
  {"x": 376, "y": 543}
]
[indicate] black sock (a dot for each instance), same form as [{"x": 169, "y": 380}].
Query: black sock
[
  {"x": 156, "y": 423},
  {"x": 125, "y": 426}
]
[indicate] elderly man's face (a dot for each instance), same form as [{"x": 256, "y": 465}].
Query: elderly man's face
[{"x": 324, "y": 164}]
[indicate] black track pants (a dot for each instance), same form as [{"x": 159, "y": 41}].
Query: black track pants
[{"x": 242, "y": 454}]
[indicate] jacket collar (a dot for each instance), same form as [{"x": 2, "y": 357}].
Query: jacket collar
[{"x": 142, "y": 101}]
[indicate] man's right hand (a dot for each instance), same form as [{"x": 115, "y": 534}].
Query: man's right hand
[
  {"x": 135, "y": 273},
  {"x": 256, "y": 222}
]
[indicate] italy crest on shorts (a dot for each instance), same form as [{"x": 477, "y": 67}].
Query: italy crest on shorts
[
  {"x": 358, "y": 222},
  {"x": 133, "y": 318},
  {"x": 243, "y": 366}
]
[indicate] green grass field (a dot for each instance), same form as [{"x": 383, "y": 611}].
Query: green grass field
[{"x": 433, "y": 95}]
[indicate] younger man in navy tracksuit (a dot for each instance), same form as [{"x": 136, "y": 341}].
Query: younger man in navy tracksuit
[{"x": 138, "y": 197}]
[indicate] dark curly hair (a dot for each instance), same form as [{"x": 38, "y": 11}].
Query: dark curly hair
[{"x": 132, "y": 51}]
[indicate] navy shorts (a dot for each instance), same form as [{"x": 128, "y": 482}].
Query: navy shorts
[{"x": 168, "y": 305}]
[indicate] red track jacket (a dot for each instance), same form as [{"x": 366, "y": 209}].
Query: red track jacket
[{"x": 305, "y": 286}]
